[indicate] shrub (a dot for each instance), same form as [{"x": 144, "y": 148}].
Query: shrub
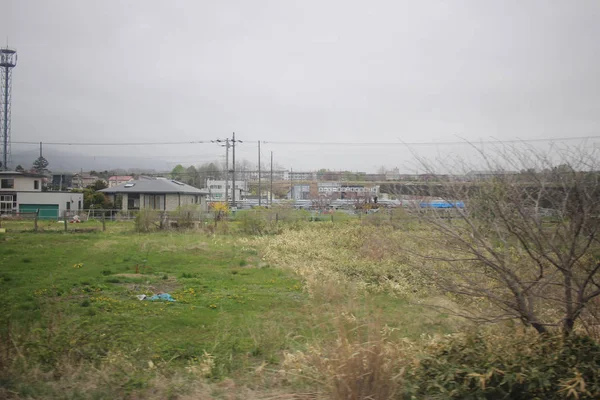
[
  {"x": 255, "y": 223},
  {"x": 219, "y": 209},
  {"x": 147, "y": 220},
  {"x": 187, "y": 215},
  {"x": 519, "y": 366}
]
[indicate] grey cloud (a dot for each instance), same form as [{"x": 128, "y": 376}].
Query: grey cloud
[{"x": 310, "y": 70}]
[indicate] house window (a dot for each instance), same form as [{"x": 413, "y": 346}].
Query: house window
[
  {"x": 6, "y": 203},
  {"x": 154, "y": 201},
  {"x": 7, "y": 183},
  {"x": 68, "y": 205},
  {"x": 133, "y": 201},
  {"x": 36, "y": 185}
]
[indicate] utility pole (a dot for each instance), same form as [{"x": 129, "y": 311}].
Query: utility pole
[
  {"x": 259, "y": 178},
  {"x": 233, "y": 173},
  {"x": 271, "y": 190},
  {"x": 227, "y": 171}
]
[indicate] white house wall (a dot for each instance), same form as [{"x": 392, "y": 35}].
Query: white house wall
[
  {"x": 60, "y": 198},
  {"x": 26, "y": 184}
]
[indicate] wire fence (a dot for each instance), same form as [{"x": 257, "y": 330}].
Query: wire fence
[{"x": 195, "y": 218}]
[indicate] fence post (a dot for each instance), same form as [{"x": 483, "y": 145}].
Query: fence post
[
  {"x": 276, "y": 217},
  {"x": 35, "y": 220},
  {"x": 331, "y": 217},
  {"x": 103, "y": 222},
  {"x": 65, "y": 219}
]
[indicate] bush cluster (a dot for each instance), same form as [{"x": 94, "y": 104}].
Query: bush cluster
[{"x": 480, "y": 365}]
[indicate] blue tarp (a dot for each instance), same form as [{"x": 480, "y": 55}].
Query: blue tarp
[
  {"x": 442, "y": 204},
  {"x": 162, "y": 296}
]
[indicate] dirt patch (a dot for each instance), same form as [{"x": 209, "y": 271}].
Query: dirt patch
[{"x": 163, "y": 286}]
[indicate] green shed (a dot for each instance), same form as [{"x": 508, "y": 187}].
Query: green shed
[{"x": 47, "y": 211}]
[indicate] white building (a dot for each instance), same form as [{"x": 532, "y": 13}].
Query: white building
[
  {"x": 341, "y": 190},
  {"x": 21, "y": 192},
  {"x": 300, "y": 176},
  {"x": 216, "y": 190}
]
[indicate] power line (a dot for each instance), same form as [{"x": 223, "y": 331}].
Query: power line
[
  {"x": 117, "y": 144},
  {"x": 461, "y": 142},
  {"x": 309, "y": 143}
]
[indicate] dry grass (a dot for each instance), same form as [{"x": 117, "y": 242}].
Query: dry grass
[{"x": 362, "y": 362}]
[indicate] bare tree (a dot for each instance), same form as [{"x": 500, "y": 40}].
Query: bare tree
[{"x": 526, "y": 245}]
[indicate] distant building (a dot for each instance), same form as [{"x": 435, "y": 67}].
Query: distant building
[
  {"x": 300, "y": 176},
  {"x": 216, "y": 189},
  {"x": 21, "y": 192},
  {"x": 299, "y": 192},
  {"x": 117, "y": 180},
  {"x": 337, "y": 190},
  {"x": 84, "y": 180},
  {"x": 392, "y": 175},
  {"x": 61, "y": 180},
  {"x": 157, "y": 194},
  {"x": 484, "y": 175}
]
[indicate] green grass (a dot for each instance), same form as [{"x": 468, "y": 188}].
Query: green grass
[
  {"x": 92, "y": 279},
  {"x": 73, "y": 295}
]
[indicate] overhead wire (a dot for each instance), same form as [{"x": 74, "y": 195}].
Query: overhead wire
[{"x": 314, "y": 143}]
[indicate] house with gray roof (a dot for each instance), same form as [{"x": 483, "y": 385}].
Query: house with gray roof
[{"x": 158, "y": 194}]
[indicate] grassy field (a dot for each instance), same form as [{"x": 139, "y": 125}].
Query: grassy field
[
  {"x": 72, "y": 326},
  {"x": 264, "y": 309}
]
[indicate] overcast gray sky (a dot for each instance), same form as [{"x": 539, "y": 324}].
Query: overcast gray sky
[{"x": 352, "y": 71}]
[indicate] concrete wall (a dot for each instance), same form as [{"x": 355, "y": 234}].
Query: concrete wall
[
  {"x": 172, "y": 201},
  {"x": 176, "y": 200},
  {"x": 124, "y": 201},
  {"x": 60, "y": 198},
  {"x": 24, "y": 184}
]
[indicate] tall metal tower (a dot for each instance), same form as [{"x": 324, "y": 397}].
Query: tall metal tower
[{"x": 8, "y": 60}]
